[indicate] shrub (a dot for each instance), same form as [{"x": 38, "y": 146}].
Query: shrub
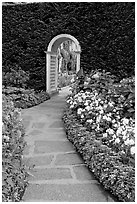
[
  {"x": 15, "y": 76},
  {"x": 25, "y": 98},
  {"x": 14, "y": 175},
  {"x": 65, "y": 80}
]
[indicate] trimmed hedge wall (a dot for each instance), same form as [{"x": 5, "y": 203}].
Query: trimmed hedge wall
[{"x": 105, "y": 32}]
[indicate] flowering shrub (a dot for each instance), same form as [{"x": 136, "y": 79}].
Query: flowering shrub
[
  {"x": 64, "y": 80},
  {"x": 102, "y": 111},
  {"x": 107, "y": 165},
  {"x": 105, "y": 119},
  {"x": 14, "y": 175},
  {"x": 105, "y": 108},
  {"x": 25, "y": 98}
]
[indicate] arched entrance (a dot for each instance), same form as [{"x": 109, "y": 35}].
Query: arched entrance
[{"x": 52, "y": 61}]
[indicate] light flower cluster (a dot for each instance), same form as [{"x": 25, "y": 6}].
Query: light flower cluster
[{"x": 102, "y": 115}]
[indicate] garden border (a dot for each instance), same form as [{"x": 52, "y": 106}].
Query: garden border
[{"x": 115, "y": 176}]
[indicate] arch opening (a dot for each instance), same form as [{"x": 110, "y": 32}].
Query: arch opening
[{"x": 52, "y": 60}]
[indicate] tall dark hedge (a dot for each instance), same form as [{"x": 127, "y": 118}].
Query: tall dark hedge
[{"x": 105, "y": 32}]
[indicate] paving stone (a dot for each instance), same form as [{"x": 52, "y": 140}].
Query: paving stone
[
  {"x": 52, "y": 146},
  {"x": 38, "y": 125},
  {"x": 38, "y": 160},
  {"x": 26, "y": 123},
  {"x": 56, "y": 124},
  {"x": 50, "y": 174},
  {"x": 47, "y": 136},
  {"x": 35, "y": 132},
  {"x": 26, "y": 150},
  {"x": 26, "y": 117},
  {"x": 66, "y": 192},
  {"x": 83, "y": 173},
  {"x": 68, "y": 159}
]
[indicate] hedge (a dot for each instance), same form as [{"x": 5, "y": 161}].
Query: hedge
[
  {"x": 25, "y": 98},
  {"x": 105, "y": 31}
]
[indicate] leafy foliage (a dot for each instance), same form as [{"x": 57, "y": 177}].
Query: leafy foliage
[
  {"x": 65, "y": 80},
  {"x": 15, "y": 77},
  {"x": 25, "y": 98},
  {"x": 14, "y": 175}
]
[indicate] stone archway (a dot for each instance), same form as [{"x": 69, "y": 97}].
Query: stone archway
[{"x": 51, "y": 60}]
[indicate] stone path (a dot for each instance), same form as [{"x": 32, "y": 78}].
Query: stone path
[{"x": 57, "y": 172}]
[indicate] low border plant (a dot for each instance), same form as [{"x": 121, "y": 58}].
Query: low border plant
[{"x": 14, "y": 174}]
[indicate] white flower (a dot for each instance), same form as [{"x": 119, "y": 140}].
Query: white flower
[
  {"x": 79, "y": 111},
  {"x": 113, "y": 121},
  {"x": 84, "y": 96},
  {"x": 79, "y": 99},
  {"x": 86, "y": 103},
  {"x": 82, "y": 116},
  {"x": 90, "y": 121},
  {"x": 108, "y": 119},
  {"x": 98, "y": 119},
  {"x": 95, "y": 76},
  {"x": 109, "y": 114},
  {"x": 72, "y": 106},
  {"x": 72, "y": 80},
  {"x": 132, "y": 142},
  {"x": 101, "y": 111},
  {"x": 86, "y": 83},
  {"x": 6, "y": 137},
  {"x": 110, "y": 104},
  {"x": 105, "y": 106},
  {"x": 114, "y": 136},
  {"x": 117, "y": 140},
  {"x": 129, "y": 142},
  {"x": 110, "y": 131},
  {"x": 125, "y": 121},
  {"x": 118, "y": 117},
  {"x": 105, "y": 134},
  {"x": 119, "y": 131},
  {"x": 132, "y": 150},
  {"x": 115, "y": 125},
  {"x": 88, "y": 79},
  {"x": 87, "y": 108},
  {"x": 104, "y": 117}
]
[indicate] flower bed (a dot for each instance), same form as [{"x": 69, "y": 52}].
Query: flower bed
[
  {"x": 65, "y": 80},
  {"x": 100, "y": 122},
  {"x": 25, "y": 98},
  {"x": 14, "y": 174}
]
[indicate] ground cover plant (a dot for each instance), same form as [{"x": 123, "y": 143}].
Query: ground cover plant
[
  {"x": 100, "y": 121},
  {"x": 25, "y": 98},
  {"x": 15, "y": 86},
  {"x": 14, "y": 174}
]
